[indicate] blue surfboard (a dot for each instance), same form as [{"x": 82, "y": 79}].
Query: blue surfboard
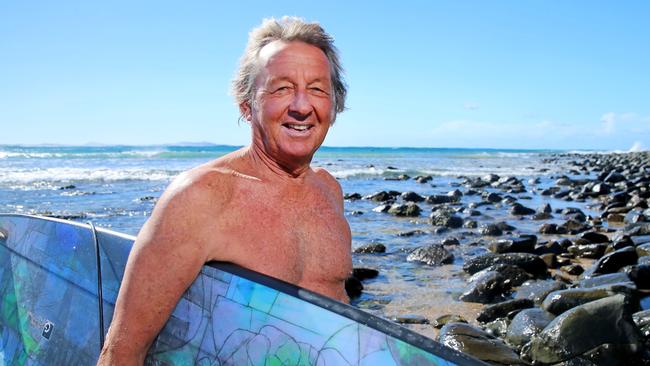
[{"x": 59, "y": 281}]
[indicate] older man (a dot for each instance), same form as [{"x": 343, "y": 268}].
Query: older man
[{"x": 262, "y": 207}]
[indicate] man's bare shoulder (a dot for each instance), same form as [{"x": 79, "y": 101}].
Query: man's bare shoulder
[{"x": 324, "y": 177}]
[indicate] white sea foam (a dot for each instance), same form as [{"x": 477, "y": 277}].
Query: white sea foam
[
  {"x": 357, "y": 172},
  {"x": 22, "y": 176}
]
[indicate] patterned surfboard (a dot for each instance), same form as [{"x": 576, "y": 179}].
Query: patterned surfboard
[{"x": 53, "y": 273}]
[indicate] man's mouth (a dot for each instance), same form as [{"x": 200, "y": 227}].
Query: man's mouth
[{"x": 297, "y": 127}]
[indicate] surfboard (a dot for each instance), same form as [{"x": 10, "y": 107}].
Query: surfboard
[{"x": 59, "y": 281}]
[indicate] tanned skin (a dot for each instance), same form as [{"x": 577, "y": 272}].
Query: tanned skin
[{"x": 262, "y": 207}]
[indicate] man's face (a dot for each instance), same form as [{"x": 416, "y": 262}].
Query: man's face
[{"x": 292, "y": 107}]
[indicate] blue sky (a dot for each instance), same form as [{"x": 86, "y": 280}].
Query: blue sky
[{"x": 494, "y": 74}]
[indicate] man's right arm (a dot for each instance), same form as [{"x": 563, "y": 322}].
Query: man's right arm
[{"x": 166, "y": 257}]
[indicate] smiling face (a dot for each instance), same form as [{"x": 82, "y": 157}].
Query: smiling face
[{"x": 292, "y": 107}]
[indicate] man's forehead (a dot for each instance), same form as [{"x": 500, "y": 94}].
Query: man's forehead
[{"x": 272, "y": 49}]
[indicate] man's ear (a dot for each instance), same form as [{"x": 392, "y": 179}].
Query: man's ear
[{"x": 245, "y": 110}]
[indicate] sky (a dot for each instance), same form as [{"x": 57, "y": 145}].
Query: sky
[{"x": 474, "y": 74}]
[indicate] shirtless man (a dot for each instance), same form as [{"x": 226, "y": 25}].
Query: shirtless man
[{"x": 262, "y": 207}]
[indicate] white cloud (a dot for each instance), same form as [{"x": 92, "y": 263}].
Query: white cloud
[{"x": 614, "y": 123}]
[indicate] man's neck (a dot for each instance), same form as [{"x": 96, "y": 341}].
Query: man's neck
[{"x": 263, "y": 164}]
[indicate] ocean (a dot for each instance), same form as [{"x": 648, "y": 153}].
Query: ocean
[{"x": 116, "y": 187}]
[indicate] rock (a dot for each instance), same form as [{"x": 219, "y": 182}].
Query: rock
[
  {"x": 371, "y": 248},
  {"x": 592, "y": 251},
  {"x": 514, "y": 276},
  {"x": 528, "y": 262},
  {"x": 407, "y": 210},
  {"x": 606, "y": 279},
  {"x": 612, "y": 262},
  {"x": 490, "y": 230},
  {"x": 433, "y": 255},
  {"x": 438, "y": 199},
  {"x": 487, "y": 288},
  {"x": 443, "y": 320},
  {"x": 521, "y": 210},
  {"x": 364, "y": 273},
  {"x": 538, "y": 290},
  {"x": 640, "y": 275},
  {"x": 445, "y": 218},
  {"x": 412, "y": 197},
  {"x": 594, "y": 237},
  {"x": 468, "y": 339},
  {"x": 572, "y": 226},
  {"x": 642, "y": 321},
  {"x": 502, "y": 309},
  {"x": 411, "y": 233},
  {"x": 423, "y": 178},
  {"x": 522, "y": 244},
  {"x": 572, "y": 269},
  {"x": 497, "y": 328},
  {"x": 492, "y": 197},
  {"x": 352, "y": 196},
  {"x": 410, "y": 319},
  {"x": 353, "y": 287},
  {"x": 560, "y": 301},
  {"x": 382, "y": 208},
  {"x": 614, "y": 177},
  {"x": 549, "y": 228},
  {"x": 527, "y": 324},
  {"x": 456, "y": 194},
  {"x": 470, "y": 224},
  {"x": 450, "y": 241},
  {"x": 382, "y": 196},
  {"x": 583, "y": 328}
]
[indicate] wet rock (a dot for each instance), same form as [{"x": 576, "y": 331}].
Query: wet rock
[
  {"x": 353, "y": 287},
  {"x": 470, "y": 224},
  {"x": 583, "y": 328},
  {"x": 490, "y": 230},
  {"x": 450, "y": 241},
  {"x": 438, "y": 199},
  {"x": 411, "y": 319},
  {"x": 411, "y": 233},
  {"x": 474, "y": 341},
  {"x": 592, "y": 251},
  {"x": 614, "y": 177},
  {"x": 423, "y": 178},
  {"x": 572, "y": 269},
  {"x": 492, "y": 197},
  {"x": 445, "y": 218},
  {"x": 433, "y": 255},
  {"x": 538, "y": 290},
  {"x": 522, "y": 244},
  {"x": 443, "y": 320},
  {"x": 364, "y": 273},
  {"x": 606, "y": 279},
  {"x": 382, "y": 208},
  {"x": 642, "y": 321},
  {"x": 527, "y": 324},
  {"x": 640, "y": 275},
  {"x": 371, "y": 248},
  {"x": 572, "y": 226},
  {"x": 352, "y": 196},
  {"x": 521, "y": 210},
  {"x": 550, "y": 228},
  {"x": 497, "y": 328},
  {"x": 488, "y": 287},
  {"x": 409, "y": 209},
  {"x": 560, "y": 301},
  {"x": 643, "y": 250},
  {"x": 382, "y": 196},
  {"x": 412, "y": 197},
  {"x": 528, "y": 262},
  {"x": 612, "y": 262},
  {"x": 455, "y": 194},
  {"x": 502, "y": 309},
  {"x": 594, "y": 237}
]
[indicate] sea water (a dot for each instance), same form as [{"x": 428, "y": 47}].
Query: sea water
[{"x": 116, "y": 187}]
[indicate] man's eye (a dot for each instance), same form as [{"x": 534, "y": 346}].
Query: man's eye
[
  {"x": 318, "y": 90},
  {"x": 282, "y": 89}
]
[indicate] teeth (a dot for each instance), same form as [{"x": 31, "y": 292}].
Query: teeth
[{"x": 298, "y": 127}]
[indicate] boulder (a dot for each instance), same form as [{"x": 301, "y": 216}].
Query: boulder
[{"x": 433, "y": 255}]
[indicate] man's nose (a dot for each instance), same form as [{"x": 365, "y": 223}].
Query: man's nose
[{"x": 300, "y": 106}]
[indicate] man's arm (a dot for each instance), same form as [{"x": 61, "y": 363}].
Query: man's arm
[{"x": 166, "y": 257}]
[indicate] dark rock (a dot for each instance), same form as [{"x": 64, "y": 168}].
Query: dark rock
[
  {"x": 412, "y": 197},
  {"x": 433, "y": 255},
  {"x": 601, "y": 188},
  {"x": 528, "y": 262},
  {"x": 443, "y": 320},
  {"x": 456, "y": 194},
  {"x": 527, "y": 324},
  {"x": 612, "y": 262},
  {"x": 486, "y": 288},
  {"x": 572, "y": 269},
  {"x": 592, "y": 251},
  {"x": 438, "y": 199},
  {"x": 469, "y": 339},
  {"x": 470, "y": 224},
  {"x": 492, "y": 197},
  {"x": 355, "y": 213},
  {"x": 643, "y": 250},
  {"x": 490, "y": 230},
  {"x": 409, "y": 209},
  {"x": 583, "y": 328},
  {"x": 353, "y": 287},
  {"x": 546, "y": 209},
  {"x": 538, "y": 290},
  {"x": 549, "y": 228},
  {"x": 423, "y": 179},
  {"x": 550, "y": 259},
  {"x": 514, "y": 276},
  {"x": 382, "y": 196},
  {"x": 371, "y": 248},
  {"x": 411, "y": 233},
  {"x": 542, "y": 216},
  {"x": 450, "y": 241},
  {"x": 410, "y": 319},
  {"x": 382, "y": 208},
  {"x": 352, "y": 196},
  {"x": 445, "y": 218},
  {"x": 614, "y": 177},
  {"x": 522, "y": 244},
  {"x": 640, "y": 275},
  {"x": 572, "y": 226},
  {"x": 521, "y": 210},
  {"x": 594, "y": 237},
  {"x": 502, "y": 309},
  {"x": 497, "y": 328},
  {"x": 642, "y": 321},
  {"x": 364, "y": 273},
  {"x": 69, "y": 186},
  {"x": 606, "y": 279},
  {"x": 560, "y": 301}
]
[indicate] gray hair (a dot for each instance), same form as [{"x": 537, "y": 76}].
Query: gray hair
[{"x": 288, "y": 29}]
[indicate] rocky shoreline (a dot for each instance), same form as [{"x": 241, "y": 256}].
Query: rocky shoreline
[{"x": 571, "y": 293}]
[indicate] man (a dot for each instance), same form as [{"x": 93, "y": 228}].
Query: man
[{"x": 262, "y": 207}]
